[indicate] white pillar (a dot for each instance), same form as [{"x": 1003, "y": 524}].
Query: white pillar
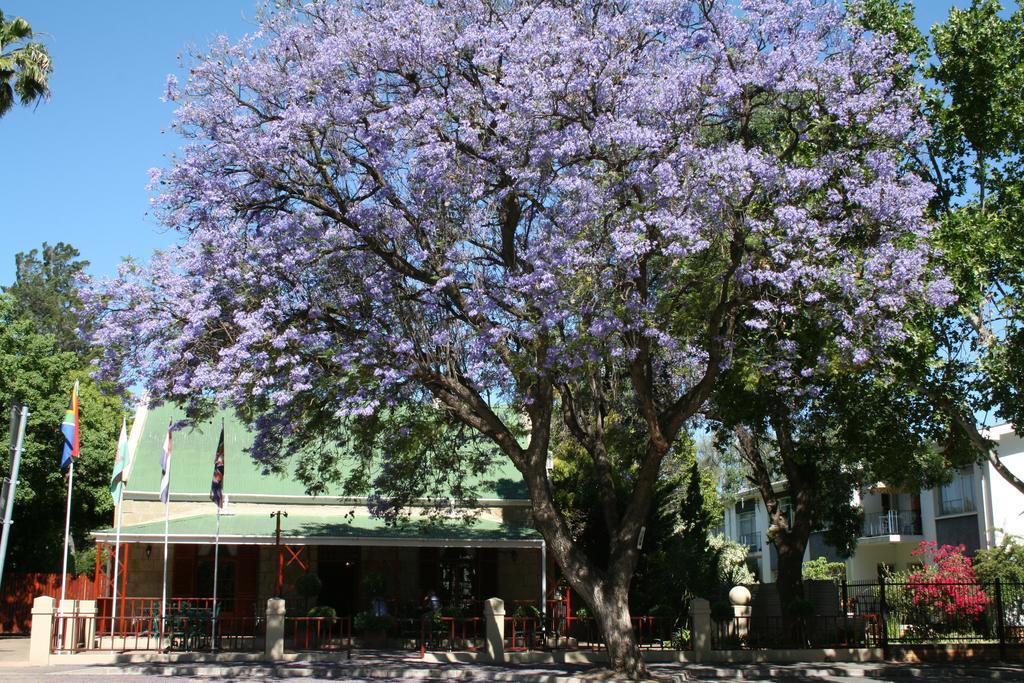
[
  {"x": 42, "y": 631},
  {"x": 87, "y": 610},
  {"x": 274, "y": 647},
  {"x": 700, "y": 612},
  {"x": 494, "y": 619}
]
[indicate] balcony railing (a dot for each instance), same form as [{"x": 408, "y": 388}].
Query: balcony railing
[
  {"x": 751, "y": 540},
  {"x": 892, "y": 523}
]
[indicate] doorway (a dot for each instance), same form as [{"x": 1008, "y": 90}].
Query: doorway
[{"x": 338, "y": 568}]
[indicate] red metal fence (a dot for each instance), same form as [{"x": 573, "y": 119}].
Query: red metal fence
[{"x": 19, "y": 590}]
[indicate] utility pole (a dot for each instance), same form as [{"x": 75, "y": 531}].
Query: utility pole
[
  {"x": 19, "y": 416},
  {"x": 280, "y": 554}
]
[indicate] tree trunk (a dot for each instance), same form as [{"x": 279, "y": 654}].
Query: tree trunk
[
  {"x": 790, "y": 584},
  {"x": 605, "y": 593},
  {"x": 611, "y": 611}
]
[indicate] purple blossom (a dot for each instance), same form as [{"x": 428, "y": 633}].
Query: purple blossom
[{"x": 344, "y": 200}]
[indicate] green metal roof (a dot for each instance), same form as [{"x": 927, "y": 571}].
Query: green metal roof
[
  {"x": 317, "y": 530},
  {"x": 192, "y": 463}
]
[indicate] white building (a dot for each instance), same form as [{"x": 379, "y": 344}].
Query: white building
[{"x": 974, "y": 510}]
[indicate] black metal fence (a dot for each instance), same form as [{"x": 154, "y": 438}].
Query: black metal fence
[{"x": 885, "y": 614}]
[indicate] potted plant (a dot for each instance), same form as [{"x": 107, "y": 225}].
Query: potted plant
[
  {"x": 308, "y": 586},
  {"x": 374, "y": 586}
]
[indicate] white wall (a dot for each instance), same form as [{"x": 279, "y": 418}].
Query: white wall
[{"x": 1007, "y": 513}]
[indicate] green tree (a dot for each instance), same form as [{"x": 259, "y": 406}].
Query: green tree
[
  {"x": 969, "y": 358},
  {"x": 25, "y": 65},
  {"x": 45, "y": 292},
  {"x": 36, "y": 372},
  {"x": 807, "y": 450},
  {"x": 820, "y": 569},
  {"x": 1004, "y": 562}
]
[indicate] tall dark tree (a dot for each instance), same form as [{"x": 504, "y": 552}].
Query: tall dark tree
[
  {"x": 809, "y": 448},
  {"x": 35, "y": 371},
  {"x": 45, "y": 292}
]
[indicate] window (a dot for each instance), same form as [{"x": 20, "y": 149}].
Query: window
[
  {"x": 719, "y": 528},
  {"x": 957, "y": 496},
  {"x": 747, "y": 527}
]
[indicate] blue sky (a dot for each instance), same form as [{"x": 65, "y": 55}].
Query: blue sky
[{"x": 74, "y": 169}]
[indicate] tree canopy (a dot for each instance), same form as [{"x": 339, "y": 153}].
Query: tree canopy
[
  {"x": 567, "y": 208},
  {"x": 25, "y": 65},
  {"x": 969, "y": 357},
  {"x": 38, "y": 373}
]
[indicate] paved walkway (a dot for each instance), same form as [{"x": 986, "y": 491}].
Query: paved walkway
[
  {"x": 13, "y": 650},
  {"x": 367, "y": 667}
]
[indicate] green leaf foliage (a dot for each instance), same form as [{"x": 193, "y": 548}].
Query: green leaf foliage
[
  {"x": 37, "y": 373},
  {"x": 25, "y": 65}
]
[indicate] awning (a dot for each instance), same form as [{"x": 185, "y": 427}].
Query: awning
[{"x": 249, "y": 529}]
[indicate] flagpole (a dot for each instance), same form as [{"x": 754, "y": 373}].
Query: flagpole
[
  {"x": 216, "y": 566},
  {"x": 64, "y": 567},
  {"x": 117, "y": 565},
  {"x": 165, "y": 496},
  {"x": 217, "y": 496},
  {"x": 163, "y": 595}
]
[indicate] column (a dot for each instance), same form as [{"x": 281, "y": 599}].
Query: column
[
  {"x": 42, "y": 631},
  {"x": 494, "y": 619},
  {"x": 274, "y": 647}
]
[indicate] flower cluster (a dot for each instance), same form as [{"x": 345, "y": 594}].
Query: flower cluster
[
  {"x": 947, "y": 582},
  {"x": 391, "y": 198}
]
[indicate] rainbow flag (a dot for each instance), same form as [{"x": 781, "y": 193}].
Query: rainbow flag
[{"x": 70, "y": 429}]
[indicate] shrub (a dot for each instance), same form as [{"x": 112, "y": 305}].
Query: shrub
[
  {"x": 946, "y": 584},
  {"x": 323, "y": 611},
  {"x": 681, "y": 638},
  {"x": 526, "y": 611},
  {"x": 308, "y": 585},
  {"x": 821, "y": 569}
]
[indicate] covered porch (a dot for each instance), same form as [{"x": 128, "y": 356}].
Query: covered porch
[{"x": 376, "y": 577}]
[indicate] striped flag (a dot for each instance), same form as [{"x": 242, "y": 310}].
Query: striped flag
[
  {"x": 70, "y": 429},
  {"x": 217, "y": 487},
  {"x": 117, "y": 479},
  {"x": 165, "y": 469}
]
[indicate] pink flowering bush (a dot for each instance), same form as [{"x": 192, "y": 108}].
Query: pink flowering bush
[{"x": 946, "y": 584}]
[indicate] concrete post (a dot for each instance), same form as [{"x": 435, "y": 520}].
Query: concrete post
[
  {"x": 274, "y": 648},
  {"x": 87, "y": 609},
  {"x": 68, "y": 624},
  {"x": 700, "y": 619},
  {"x": 494, "y": 619},
  {"x": 42, "y": 631},
  {"x": 740, "y": 598}
]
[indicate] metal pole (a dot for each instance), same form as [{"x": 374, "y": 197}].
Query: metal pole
[
  {"x": 280, "y": 554},
  {"x": 64, "y": 564},
  {"x": 216, "y": 564},
  {"x": 163, "y": 595},
  {"x": 1000, "y": 620},
  {"x": 19, "y": 442},
  {"x": 884, "y": 614}
]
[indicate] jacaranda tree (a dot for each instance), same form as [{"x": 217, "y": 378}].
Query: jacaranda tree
[{"x": 561, "y": 208}]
